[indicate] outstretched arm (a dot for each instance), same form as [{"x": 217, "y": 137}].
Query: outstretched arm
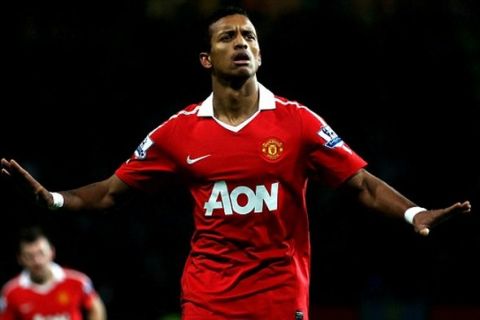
[
  {"x": 97, "y": 311},
  {"x": 376, "y": 194},
  {"x": 100, "y": 195}
]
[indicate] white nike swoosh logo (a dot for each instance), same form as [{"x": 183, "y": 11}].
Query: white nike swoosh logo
[{"x": 192, "y": 161}]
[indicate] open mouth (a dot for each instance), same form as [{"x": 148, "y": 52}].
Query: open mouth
[{"x": 241, "y": 58}]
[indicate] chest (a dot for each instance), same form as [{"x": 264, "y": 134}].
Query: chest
[
  {"x": 264, "y": 147},
  {"x": 59, "y": 302}
]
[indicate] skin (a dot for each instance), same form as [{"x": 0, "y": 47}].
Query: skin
[
  {"x": 233, "y": 61},
  {"x": 36, "y": 257}
]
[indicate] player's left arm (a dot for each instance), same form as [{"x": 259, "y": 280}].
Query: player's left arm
[
  {"x": 377, "y": 195},
  {"x": 97, "y": 310}
]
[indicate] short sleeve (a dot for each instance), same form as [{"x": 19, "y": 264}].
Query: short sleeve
[
  {"x": 151, "y": 163},
  {"x": 88, "y": 293},
  {"x": 6, "y": 310},
  {"x": 329, "y": 158}
]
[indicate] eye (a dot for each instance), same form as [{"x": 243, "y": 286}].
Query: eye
[
  {"x": 249, "y": 35},
  {"x": 227, "y": 36}
]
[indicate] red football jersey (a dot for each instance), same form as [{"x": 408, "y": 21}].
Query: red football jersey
[
  {"x": 250, "y": 251},
  {"x": 64, "y": 298}
]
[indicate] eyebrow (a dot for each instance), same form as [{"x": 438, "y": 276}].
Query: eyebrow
[{"x": 230, "y": 29}]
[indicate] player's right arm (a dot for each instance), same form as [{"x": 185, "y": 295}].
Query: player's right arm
[
  {"x": 6, "y": 310},
  {"x": 100, "y": 195}
]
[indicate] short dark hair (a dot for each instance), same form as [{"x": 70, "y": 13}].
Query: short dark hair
[
  {"x": 214, "y": 17},
  {"x": 30, "y": 234}
]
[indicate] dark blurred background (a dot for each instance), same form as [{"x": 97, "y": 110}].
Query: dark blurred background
[{"x": 399, "y": 80}]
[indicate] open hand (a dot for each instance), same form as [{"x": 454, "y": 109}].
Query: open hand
[
  {"x": 425, "y": 220},
  {"x": 11, "y": 170}
]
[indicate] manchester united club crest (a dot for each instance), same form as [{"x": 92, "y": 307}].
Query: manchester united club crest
[
  {"x": 272, "y": 149},
  {"x": 63, "y": 298}
]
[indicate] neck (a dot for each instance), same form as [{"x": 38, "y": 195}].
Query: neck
[
  {"x": 41, "y": 277},
  {"x": 234, "y": 103}
]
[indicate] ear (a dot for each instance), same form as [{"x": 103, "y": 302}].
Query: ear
[
  {"x": 20, "y": 260},
  {"x": 205, "y": 60},
  {"x": 259, "y": 59},
  {"x": 53, "y": 253}
]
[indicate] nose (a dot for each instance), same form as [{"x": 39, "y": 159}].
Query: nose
[
  {"x": 37, "y": 261},
  {"x": 240, "y": 42}
]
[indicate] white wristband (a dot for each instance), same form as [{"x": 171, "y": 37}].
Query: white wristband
[
  {"x": 412, "y": 212},
  {"x": 58, "y": 201}
]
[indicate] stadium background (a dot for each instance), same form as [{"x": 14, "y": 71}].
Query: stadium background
[{"x": 398, "y": 80}]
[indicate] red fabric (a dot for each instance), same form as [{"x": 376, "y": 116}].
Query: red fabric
[
  {"x": 250, "y": 255},
  {"x": 63, "y": 301}
]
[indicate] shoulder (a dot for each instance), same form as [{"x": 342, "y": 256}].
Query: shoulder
[
  {"x": 181, "y": 117},
  {"x": 11, "y": 286},
  {"x": 288, "y": 105},
  {"x": 79, "y": 280},
  {"x": 294, "y": 107},
  {"x": 190, "y": 110},
  {"x": 185, "y": 113},
  {"x": 285, "y": 102},
  {"x": 271, "y": 101},
  {"x": 75, "y": 275}
]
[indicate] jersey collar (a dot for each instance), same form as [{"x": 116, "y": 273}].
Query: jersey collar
[
  {"x": 57, "y": 276},
  {"x": 266, "y": 102}
]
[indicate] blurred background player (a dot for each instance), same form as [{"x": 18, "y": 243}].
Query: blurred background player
[{"x": 44, "y": 290}]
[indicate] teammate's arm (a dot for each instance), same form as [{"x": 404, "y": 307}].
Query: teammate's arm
[
  {"x": 97, "y": 310},
  {"x": 96, "y": 196},
  {"x": 376, "y": 194}
]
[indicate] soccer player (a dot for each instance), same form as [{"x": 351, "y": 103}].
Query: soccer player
[
  {"x": 246, "y": 155},
  {"x": 45, "y": 290}
]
